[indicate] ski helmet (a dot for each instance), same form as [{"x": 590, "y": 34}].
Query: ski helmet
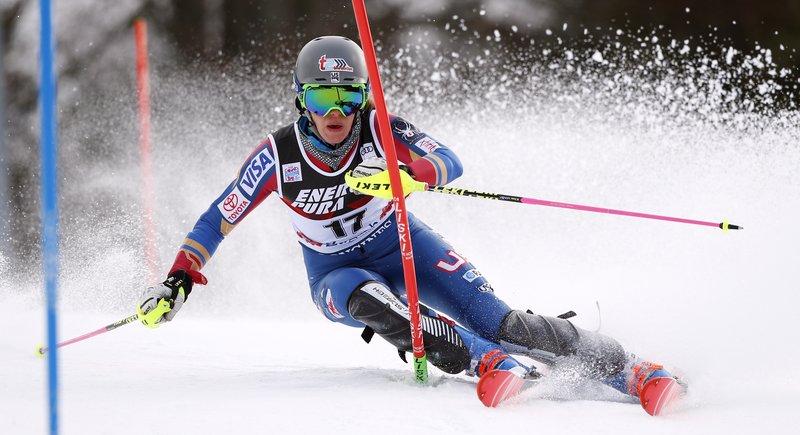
[{"x": 332, "y": 60}]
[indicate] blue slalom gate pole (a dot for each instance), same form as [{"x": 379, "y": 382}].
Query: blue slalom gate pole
[{"x": 49, "y": 193}]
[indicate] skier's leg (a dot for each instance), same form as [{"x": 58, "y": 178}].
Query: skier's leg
[
  {"x": 450, "y": 284},
  {"x": 358, "y": 297},
  {"x": 557, "y": 340},
  {"x": 586, "y": 353},
  {"x": 451, "y": 348}
]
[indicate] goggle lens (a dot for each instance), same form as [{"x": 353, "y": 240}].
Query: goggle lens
[{"x": 323, "y": 100}]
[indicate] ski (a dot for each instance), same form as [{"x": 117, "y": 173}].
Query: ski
[{"x": 496, "y": 386}]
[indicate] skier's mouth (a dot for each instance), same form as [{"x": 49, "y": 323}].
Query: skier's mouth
[{"x": 335, "y": 127}]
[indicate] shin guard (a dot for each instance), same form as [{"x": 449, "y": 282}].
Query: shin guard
[
  {"x": 377, "y": 307},
  {"x": 558, "y": 342}
]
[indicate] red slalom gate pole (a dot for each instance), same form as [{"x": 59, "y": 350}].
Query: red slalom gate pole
[
  {"x": 148, "y": 192},
  {"x": 420, "y": 361}
]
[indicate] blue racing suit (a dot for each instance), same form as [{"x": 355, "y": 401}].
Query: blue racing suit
[{"x": 348, "y": 238}]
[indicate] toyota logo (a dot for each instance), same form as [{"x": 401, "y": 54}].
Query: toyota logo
[{"x": 230, "y": 202}]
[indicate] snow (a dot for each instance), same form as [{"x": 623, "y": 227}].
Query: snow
[
  {"x": 719, "y": 306},
  {"x": 209, "y": 375}
]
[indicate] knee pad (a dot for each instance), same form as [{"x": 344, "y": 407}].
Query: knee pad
[
  {"x": 376, "y": 306},
  {"x": 331, "y": 293},
  {"x": 557, "y": 341}
]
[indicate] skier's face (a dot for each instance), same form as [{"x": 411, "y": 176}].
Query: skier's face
[{"x": 333, "y": 127}]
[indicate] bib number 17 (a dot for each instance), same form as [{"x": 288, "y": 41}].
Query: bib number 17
[{"x": 353, "y": 222}]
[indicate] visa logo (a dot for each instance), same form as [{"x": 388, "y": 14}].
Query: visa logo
[{"x": 255, "y": 170}]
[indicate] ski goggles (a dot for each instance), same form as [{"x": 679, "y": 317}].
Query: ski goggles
[{"x": 323, "y": 99}]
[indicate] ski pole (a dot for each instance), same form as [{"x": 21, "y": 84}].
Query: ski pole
[
  {"x": 41, "y": 349},
  {"x": 378, "y": 185},
  {"x": 724, "y": 225}
]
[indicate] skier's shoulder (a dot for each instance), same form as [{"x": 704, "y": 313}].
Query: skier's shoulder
[
  {"x": 401, "y": 128},
  {"x": 287, "y": 130},
  {"x": 259, "y": 166},
  {"x": 404, "y": 130},
  {"x": 274, "y": 140}
]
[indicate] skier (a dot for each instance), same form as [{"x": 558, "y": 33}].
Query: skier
[{"x": 350, "y": 246}]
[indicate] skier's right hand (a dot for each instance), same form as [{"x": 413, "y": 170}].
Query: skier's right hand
[{"x": 162, "y": 302}]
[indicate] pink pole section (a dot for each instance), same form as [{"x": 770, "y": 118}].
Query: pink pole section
[
  {"x": 617, "y": 212},
  {"x": 725, "y": 226},
  {"x": 148, "y": 191},
  {"x": 41, "y": 350}
]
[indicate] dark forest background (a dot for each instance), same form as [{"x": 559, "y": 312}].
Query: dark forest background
[{"x": 231, "y": 25}]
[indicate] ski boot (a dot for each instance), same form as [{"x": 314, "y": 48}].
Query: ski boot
[
  {"x": 501, "y": 375},
  {"x": 655, "y": 387},
  {"x": 486, "y": 356}
]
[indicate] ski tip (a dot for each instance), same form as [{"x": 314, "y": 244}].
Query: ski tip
[
  {"x": 484, "y": 389},
  {"x": 496, "y": 386},
  {"x": 659, "y": 395}
]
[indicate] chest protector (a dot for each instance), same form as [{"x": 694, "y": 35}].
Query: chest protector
[{"x": 328, "y": 216}]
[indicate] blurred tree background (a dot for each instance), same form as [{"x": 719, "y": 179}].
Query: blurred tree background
[
  {"x": 94, "y": 43},
  {"x": 236, "y": 27}
]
